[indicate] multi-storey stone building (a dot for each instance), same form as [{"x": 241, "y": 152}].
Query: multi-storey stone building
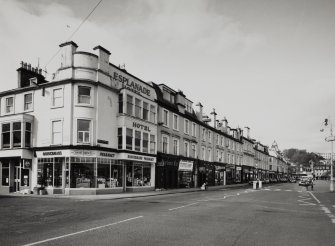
[{"x": 95, "y": 128}]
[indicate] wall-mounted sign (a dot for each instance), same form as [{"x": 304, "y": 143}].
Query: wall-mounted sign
[
  {"x": 142, "y": 127},
  {"x": 186, "y": 166},
  {"x": 134, "y": 157},
  {"x": 107, "y": 154},
  {"x": 132, "y": 85},
  {"x": 27, "y": 164},
  {"x": 100, "y": 141},
  {"x": 238, "y": 168},
  {"x": 51, "y": 153}
]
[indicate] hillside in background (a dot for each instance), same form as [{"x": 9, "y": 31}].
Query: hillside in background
[{"x": 301, "y": 156}]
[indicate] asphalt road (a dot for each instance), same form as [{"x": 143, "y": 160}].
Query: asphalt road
[{"x": 281, "y": 214}]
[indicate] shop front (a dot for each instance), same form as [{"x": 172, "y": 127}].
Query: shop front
[
  {"x": 238, "y": 173},
  {"x": 139, "y": 171},
  {"x": 206, "y": 173},
  {"x": 75, "y": 172},
  {"x": 167, "y": 172},
  {"x": 230, "y": 173},
  {"x": 185, "y": 174},
  {"x": 247, "y": 174},
  {"x": 15, "y": 172},
  {"x": 220, "y": 178}
]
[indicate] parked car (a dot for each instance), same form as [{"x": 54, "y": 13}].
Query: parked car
[
  {"x": 305, "y": 181},
  {"x": 292, "y": 180}
]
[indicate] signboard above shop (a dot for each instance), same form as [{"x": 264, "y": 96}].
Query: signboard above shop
[{"x": 185, "y": 166}]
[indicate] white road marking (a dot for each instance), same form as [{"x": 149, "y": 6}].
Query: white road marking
[
  {"x": 334, "y": 206},
  {"x": 314, "y": 197},
  {"x": 79, "y": 232},
  {"x": 183, "y": 206},
  {"x": 288, "y": 190},
  {"x": 266, "y": 189},
  {"x": 237, "y": 194},
  {"x": 277, "y": 189}
]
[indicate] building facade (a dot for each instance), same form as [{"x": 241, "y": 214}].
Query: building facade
[{"x": 96, "y": 129}]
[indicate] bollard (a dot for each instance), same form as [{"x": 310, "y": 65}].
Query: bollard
[
  {"x": 260, "y": 184},
  {"x": 254, "y": 185}
]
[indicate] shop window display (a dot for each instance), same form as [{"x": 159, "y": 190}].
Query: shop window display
[
  {"x": 109, "y": 174},
  {"x": 5, "y": 174},
  {"x": 138, "y": 174},
  {"x": 49, "y": 172},
  {"x": 82, "y": 172}
]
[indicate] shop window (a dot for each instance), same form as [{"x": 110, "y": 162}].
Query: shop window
[
  {"x": 152, "y": 144},
  {"x": 119, "y": 138},
  {"x": 5, "y": 174},
  {"x": 165, "y": 144},
  {"x": 129, "y": 139},
  {"x": 16, "y": 134},
  {"x": 84, "y": 95},
  {"x": 9, "y": 105},
  {"x": 28, "y": 135},
  {"x": 6, "y": 136},
  {"x": 120, "y": 103},
  {"x": 83, "y": 134},
  {"x": 45, "y": 172},
  {"x": 129, "y": 105},
  {"x": 138, "y": 108},
  {"x": 145, "y": 142},
  {"x": 58, "y": 176},
  {"x": 56, "y": 132},
  {"x": 138, "y": 174},
  {"x": 57, "y": 97},
  {"x": 109, "y": 174},
  {"x": 82, "y": 172},
  {"x": 137, "y": 141},
  {"x": 152, "y": 113},
  {"x": 28, "y": 102},
  {"x": 25, "y": 177},
  {"x": 145, "y": 111}
]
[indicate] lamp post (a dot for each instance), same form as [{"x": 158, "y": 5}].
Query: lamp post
[{"x": 331, "y": 139}]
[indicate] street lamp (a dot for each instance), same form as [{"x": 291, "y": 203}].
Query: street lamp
[{"x": 331, "y": 139}]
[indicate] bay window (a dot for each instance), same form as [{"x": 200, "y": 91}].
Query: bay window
[
  {"x": 84, "y": 94},
  {"x": 83, "y": 133},
  {"x": 6, "y": 136},
  {"x": 16, "y": 134}
]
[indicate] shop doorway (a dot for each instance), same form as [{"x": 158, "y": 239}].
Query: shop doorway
[{"x": 17, "y": 178}]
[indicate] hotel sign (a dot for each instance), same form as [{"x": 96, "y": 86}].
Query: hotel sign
[
  {"x": 132, "y": 84},
  {"x": 186, "y": 166}
]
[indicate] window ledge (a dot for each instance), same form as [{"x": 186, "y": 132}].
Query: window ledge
[{"x": 53, "y": 107}]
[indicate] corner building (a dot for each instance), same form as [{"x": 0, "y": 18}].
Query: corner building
[{"x": 91, "y": 130}]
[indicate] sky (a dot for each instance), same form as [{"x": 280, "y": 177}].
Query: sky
[{"x": 265, "y": 64}]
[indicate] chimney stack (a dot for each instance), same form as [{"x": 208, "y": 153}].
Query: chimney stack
[
  {"x": 103, "y": 55},
  {"x": 68, "y": 48},
  {"x": 200, "y": 112},
  {"x": 248, "y": 131},
  {"x": 214, "y": 114}
]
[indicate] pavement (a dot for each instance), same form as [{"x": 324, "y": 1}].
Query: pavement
[{"x": 130, "y": 194}]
